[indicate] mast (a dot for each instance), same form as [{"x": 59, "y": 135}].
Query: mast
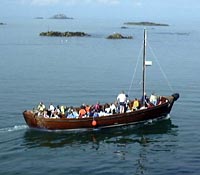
[{"x": 144, "y": 68}]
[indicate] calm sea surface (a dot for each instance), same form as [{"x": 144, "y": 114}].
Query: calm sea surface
[{"x": 72, "y": 71}]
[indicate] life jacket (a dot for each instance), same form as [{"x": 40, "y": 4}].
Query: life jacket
[{"x": 82, "y": 112}]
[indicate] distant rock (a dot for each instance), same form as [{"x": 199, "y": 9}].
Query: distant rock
[
  {"x": 124, "y": 27},
  {"x": 146, "y": 24},
  {"x": 39, "y": 17},
  {"x": 60, "y": 16},
  {"x": 118, "y": 36},
  {"x": 1, "y": 23},
  {"x": 64, "y": 34}
]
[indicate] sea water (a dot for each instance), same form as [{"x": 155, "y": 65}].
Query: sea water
[{"x": 72, "y": 71}]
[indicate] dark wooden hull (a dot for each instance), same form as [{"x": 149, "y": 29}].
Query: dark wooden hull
[{"x": 130, "y": 118}]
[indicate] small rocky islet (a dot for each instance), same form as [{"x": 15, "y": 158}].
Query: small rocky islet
[
  {"x": 145, "y": 24},
  {"x": 64, "y": 34},
  {"x": 119, "y": 36},
  {"x": 81, "y": 34},
  {"x": 60, "y": 16}
]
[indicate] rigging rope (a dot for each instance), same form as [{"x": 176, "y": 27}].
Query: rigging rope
[
  {"x": 156, "y": 59},
  {"x": 162, "y": 71},
  {"x": 135, "y": 70}
]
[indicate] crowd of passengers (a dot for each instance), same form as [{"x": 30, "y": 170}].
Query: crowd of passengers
[{"x": 122, "y": 105}]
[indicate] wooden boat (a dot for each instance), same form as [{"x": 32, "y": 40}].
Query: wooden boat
[{"x": 142, "y": 115}]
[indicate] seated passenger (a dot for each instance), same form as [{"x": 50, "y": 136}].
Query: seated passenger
[
  {"x": 97, "y": 107},
  {"x": 45, "y": 114},
  {"x": 72, "y": 113},
  {"x": 113, "y": 108},
  {"x": 95, "y": 114},
  {"x": 41, "y": 108},
  {"x": 159, "y": 100},
  {"x": 62, "y": 110},
  {"x": 51, "y": 110},
  {"x": 54, "y": 116},
  {"x": 82, "y": 112},
  {"x": 88, "y": 109},
  {"x": 153, "y": 99},
  {"x": 136, "y": 105},
  {"x": 57, "y": 111},
  {"x": 107, "y": 108}
]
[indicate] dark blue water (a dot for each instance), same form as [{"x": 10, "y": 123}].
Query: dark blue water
[{"x": 72, "y": 71}]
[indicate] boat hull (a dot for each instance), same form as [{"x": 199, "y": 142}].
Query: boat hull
[{"x": 116, "y": 120}]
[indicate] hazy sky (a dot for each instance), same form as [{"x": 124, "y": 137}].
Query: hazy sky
[{"x": 124, "y": 9}]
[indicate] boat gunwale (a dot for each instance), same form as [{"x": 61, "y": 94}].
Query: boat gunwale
[{"x": 107, "y": 117}]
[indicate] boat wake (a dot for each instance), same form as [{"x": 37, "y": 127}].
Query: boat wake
[
  {"x": 14, "y": 128},
  {"x": 153, "y": 121}
]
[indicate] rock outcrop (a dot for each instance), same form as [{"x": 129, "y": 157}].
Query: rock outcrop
[
  {"x": 146, "y": 24},
  {"x": 60, "y": 16},
  {"x": 64, "y": 34},
  {"x": 119, "y": 36}
]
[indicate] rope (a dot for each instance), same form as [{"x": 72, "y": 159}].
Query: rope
[
  {"x": 135, "y": 70},
  {"x": 162, "y": 71},
  {"x": 159, "y": 65}
]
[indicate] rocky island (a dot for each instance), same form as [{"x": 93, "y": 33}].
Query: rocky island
[
  {"x": 39, "y": 17},
  {"x": 64, "y": 34},
  {"x": 146, "y": 24},
  {"x": 124, "y": 27},
  {"x": 60, "y": 16},
  {"x": 1, "y": 23},
  {"x": 119, "y": 36}
]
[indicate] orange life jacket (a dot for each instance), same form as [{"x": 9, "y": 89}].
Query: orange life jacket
[{"x": 82, "y": 112}]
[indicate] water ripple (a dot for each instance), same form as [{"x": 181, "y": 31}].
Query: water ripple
[{"x": 14, "y": 128}]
